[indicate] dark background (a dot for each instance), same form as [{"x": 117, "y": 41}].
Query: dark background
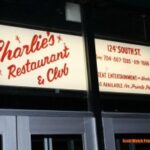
[{"x": 121, "y": 20}]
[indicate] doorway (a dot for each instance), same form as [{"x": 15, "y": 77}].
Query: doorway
[
  {"x": 126, "y": 131},
  {"x": 56, "y": 131}
]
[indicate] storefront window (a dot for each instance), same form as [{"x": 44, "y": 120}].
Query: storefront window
[
  {"x": 43, "y": 57},
  {"x": 133, "y": 142},
  {"x": 57, "y": 142}
]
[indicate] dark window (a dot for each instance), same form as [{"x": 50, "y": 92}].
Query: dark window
[
  {"x": 132, "y": 142},
  {"x": 56, "y": 142}
]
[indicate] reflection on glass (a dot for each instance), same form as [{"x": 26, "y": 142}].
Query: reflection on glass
[
  {"x": 56, "y": 142},
  {"x": 132, "y": 141}
]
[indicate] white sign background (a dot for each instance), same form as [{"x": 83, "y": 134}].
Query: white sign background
[
  {"x": 123, "y": 67},
  {"x": 76, "y": 78}
]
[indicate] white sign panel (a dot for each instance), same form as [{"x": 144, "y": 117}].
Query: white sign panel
[
  {"x": 34, "y": 58},
  {"x": 122, "y": 67}
]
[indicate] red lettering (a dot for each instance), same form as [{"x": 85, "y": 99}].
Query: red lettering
[
  {"x": 25, "y": 48},
  {"x": 24, "y": 70},
  {"x": 1, "y": 42},
  {"x": 12, "y": 70},
  {"x": 66, "y": 53},
  {"x": 44, "y": 43},
  {"x": 49, "y": 72},
  {"x": 37, "y": 43},
  {"x": 33, "y": 47},
  {"x": 38, "y": 46},
  {"x": 27, "y": 66},
  {"x": 51, "y": 40},
  {"x": 17, "y": 52},
  {"x": 65, "y": 70},
  {"x": 18, "y": 71},
  {"x": 7, "y": 53},
  {"x": 54, "y": 74}
]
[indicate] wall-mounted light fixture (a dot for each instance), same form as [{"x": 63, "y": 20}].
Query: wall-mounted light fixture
[{"x": 73, "y": 12}]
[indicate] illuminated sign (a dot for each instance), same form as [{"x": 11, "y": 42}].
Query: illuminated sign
[
  {"x": 123, "y": 67},
  {"x": 136, "y": 141},
  {"x": 33, "y": 58}
]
